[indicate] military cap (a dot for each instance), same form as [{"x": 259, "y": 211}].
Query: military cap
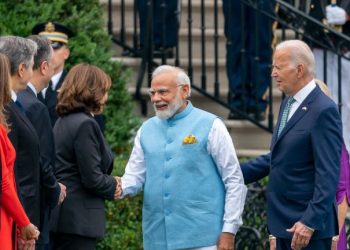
[{"x": 56, "y": 32}]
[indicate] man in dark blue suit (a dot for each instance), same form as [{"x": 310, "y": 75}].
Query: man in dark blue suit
[
  {"x": 303, "y": 163},
  {"x": 53, "y": 192}
]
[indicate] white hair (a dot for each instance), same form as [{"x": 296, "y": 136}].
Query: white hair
[
  {"x": 181, "y": 77},
  {"x": 300, "y": 53}
]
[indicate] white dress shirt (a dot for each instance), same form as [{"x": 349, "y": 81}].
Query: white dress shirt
[
  {"x": 54, "y": 82},
  {"x": 31, "y": 86},
  {"x": 13, "y": 96},
  {"x": 222, "y": 150},
  {"x": 300, "y": 96}
]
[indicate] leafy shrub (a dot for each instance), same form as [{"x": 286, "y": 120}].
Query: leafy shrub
[
  {"x": 91, "y": 45},
  {"x": 124, "y": 218}
]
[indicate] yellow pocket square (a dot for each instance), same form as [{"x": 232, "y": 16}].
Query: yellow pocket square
[{"x": 190, "y": 139}]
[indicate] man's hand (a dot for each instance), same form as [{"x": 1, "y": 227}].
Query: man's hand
[
  {"x": 335, "y": 242},
  {"x": 335, "y": 15},
  {"x": 226, "y": 241},
  {"x": 301, "y": 236},
  {"x": 63, "y": 193},
  {"x": 118, "y": 190},
  {"x": 25, "y": 244},
  {"x": 272, "y": 243}
]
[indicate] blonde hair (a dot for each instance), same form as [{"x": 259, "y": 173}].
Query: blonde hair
[{"x": 323, "y": 87}]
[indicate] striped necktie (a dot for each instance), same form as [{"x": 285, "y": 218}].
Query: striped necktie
[{"x": 285, "y": 114}]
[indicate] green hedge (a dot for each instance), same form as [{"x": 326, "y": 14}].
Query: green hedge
[
  {"x": 91, "y": 45},
  {"x": 123, "y": 218}
]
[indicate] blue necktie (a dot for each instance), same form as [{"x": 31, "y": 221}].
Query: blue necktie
[{"x": 285, "y": 114}]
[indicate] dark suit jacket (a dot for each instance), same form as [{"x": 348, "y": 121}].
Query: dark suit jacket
[
  {"x": 51, "y": 99},
  {"x": 38, "y": 115},
  {"x": 27, "y": 164},
  {"x": 303, "y": 168},
  {"x": 83, "y": 163}
]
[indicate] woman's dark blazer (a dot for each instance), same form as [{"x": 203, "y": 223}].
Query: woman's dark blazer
[{"x": 83, "y": 163}]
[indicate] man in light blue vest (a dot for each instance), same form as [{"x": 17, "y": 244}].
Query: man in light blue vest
[{"x": 185, "y": 161}]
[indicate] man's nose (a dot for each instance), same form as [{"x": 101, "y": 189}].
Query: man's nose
[
  {"x": 155, "y": 97},
  {"x": 273, "y": 73}
]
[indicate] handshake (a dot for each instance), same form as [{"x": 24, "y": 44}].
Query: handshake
[
  {"x": 335, "y": 15},
  {"x": 118, "y": 190}
]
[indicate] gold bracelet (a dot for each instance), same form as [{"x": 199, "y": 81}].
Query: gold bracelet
[
  {"x": 335, "y": 238},
  {"x": 271, "y": 237}
]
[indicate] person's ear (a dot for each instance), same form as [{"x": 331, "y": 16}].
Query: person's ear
[
  {"x": 185, "y": 91},
  {"x": 66, "y": 53},
  {"x": 44, "y": 67},
  {"x": 300, "y": 70},
  {"x": 21, "y": 69}
]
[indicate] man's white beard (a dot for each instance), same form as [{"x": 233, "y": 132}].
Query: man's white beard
[{"x": 173, "y": 107}]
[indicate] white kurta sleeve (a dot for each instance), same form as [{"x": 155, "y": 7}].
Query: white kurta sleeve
[
  {"x": 135, "y": 171},
  {"x": 221, "y": 148}
]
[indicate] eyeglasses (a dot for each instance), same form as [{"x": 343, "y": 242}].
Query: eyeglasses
[{"x": 162, "y": 91}]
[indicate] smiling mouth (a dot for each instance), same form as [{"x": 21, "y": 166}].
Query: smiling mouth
[{"x": 161, "y": 106}]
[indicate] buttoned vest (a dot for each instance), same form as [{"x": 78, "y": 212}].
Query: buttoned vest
[{"x": 184, "y": 194}]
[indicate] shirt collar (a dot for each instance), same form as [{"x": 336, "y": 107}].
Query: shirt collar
[
  {"x": 55, "y": 80},
  {"x": 301, "y": 95},
  {"x": 183, "y": 113},
  {"x": 31, "y": 86},
  {"x": 13, "y": 96}
]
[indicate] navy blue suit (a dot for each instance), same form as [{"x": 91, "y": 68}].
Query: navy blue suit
[
  {"x": 38, "y": 115},
  {"x": 27, "y": 164},
  {"x": 303, "y": 169},
  {"x": 50, "y": 99}
]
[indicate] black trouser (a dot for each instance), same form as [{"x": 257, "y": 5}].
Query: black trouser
[{"x": 62, "y": 241}]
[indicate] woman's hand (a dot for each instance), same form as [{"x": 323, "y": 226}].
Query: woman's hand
[{"x": 30, "y": 232}]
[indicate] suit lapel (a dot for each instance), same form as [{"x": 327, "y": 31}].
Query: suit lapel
[
  {"x": 30, "y": 91},
  {"x": 51, "y": 95},
  {"x": 299, "y": 113},
  {"x": 22, "y": 116}
]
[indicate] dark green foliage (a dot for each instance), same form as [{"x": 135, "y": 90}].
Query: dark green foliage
[
  {"x": 90, "y": 45},
  {"x": 123, "y": 218}
]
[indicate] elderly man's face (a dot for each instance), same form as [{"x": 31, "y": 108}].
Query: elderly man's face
[
  {"x": 167, "y": 97},
  {"x": 284, "y": 72}
]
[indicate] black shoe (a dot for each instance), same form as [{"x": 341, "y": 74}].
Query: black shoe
[
  {"x": 259, "y": 116},
  {"x": 168, "y": 52},
  {"x": 234, "y": 116}
]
